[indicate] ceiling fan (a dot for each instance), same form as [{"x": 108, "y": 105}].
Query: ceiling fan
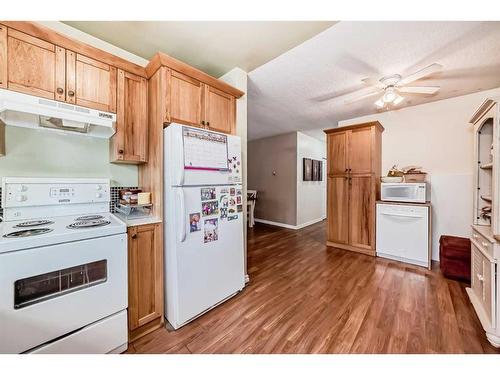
[{"x": 391, "y": 86}]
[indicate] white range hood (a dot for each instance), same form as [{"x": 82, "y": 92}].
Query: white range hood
[{"x": 28, "y": 111}]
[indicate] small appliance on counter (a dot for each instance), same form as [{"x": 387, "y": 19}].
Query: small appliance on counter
[
  {"x": 403, "y": 230},
  {"x": 411, "y": 192},
  {"x": 63, "y": 268}
]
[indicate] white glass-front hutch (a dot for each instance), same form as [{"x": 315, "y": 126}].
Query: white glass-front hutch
[{"x": 485, "y": 236}]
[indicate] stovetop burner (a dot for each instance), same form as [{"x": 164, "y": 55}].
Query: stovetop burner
[
  {"x": 88, "y": 224},
  {"x": 28, "y": 232},
  {"x": 33, "y": 223},
  {"x": 89, "y": 217}
]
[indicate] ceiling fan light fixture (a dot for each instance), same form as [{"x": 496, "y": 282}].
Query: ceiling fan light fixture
[
  {"x": 389, "y": 95},
  {"x": 380, "y": 103},
  {"x": 398, "y": 100}
]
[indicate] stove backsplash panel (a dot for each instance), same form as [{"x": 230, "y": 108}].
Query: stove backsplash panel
[{"x": 115, "y": 196}]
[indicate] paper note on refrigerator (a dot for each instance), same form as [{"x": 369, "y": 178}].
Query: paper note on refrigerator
[{"x": 204, "y": 150}]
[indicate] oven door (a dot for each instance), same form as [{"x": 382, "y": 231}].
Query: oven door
[{"x": 51, "y": 291}]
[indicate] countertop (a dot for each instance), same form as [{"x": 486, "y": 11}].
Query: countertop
[
  {"x": 426, "y": 204},
  {"x": 137, "y": 222}
]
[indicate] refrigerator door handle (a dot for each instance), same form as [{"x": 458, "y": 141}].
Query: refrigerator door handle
[
  {"x": 182, "y": 224},
  {"x": 180, "y": 166}
]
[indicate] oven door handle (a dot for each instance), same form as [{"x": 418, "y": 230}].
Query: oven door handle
[{"x": 182, "y": 215}]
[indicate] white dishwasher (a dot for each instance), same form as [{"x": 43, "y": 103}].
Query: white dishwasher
[{"x": 403, "y": 232}]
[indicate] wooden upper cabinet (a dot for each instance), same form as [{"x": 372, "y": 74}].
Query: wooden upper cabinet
[
  {"x": 220, "y": 110},
  {"x": 360, "y": 150},
  {"x": 145, "y": 280},
  {"x": 91, "y": 83},
  {"x": 130, "y": 142},
  {"x": 337, "y": 157},
  {"x": 3, "y": 57},
  {"x": 192, "y": 102},
  {"x": 184, "y": 99},
  {"x": 32, "y": 66}
]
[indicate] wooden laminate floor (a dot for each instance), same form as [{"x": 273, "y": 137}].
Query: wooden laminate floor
[{"x": 306, "y": 298}]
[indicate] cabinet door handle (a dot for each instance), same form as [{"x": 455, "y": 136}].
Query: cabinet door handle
[
  {"x": 71, "y": 93},
  {"x": 134, "y": 236},
  {"x": 208, "y": 123},
  {"x": 120, "y": 151},
  {"x": 347, "y": 169},
  {"x": 60, "y": 91},
  {"x": 203, "y": 122}
]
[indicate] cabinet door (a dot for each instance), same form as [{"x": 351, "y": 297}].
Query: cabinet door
[
  {"x": 145, "y": 264},
  {"x": 361, "y": 212},
  {"x": 338, "y": 210},
  {"x": 184, "y": 102},
  {"x": 3, "y": 57},
  {"x": 34, "y": 66},
  {"x": 129, "y": 143},
  {"x": 360, "y": 150},
  {"x": 220, "y": 111},
  {"x": 91, "y": 83},
  {"x": 337, "y": 143}
]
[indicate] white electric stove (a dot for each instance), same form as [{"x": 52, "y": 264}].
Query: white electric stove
[{"x": 63, "y": 268}]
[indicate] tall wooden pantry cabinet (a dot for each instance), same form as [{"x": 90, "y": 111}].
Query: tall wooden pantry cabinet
[{"x": 353, "y": 183}]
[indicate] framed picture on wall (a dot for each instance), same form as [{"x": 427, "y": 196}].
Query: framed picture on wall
[
  {"x": 307, "y": 169},
  {"x": 315, "y": 170},
  {"x": 320, "y": 170}
]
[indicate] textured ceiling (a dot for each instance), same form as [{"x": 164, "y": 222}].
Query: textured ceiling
[
  {"x": 291, "y": 92},
  {"x": 212, "y": 46}
]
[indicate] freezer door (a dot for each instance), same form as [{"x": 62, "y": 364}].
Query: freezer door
[
  {"x": 195, "y": 157},
  {"x": 204, "y": 249}
]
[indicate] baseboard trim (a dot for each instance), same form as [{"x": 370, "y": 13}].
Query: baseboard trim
[
  {"x": 351, "y": 248},
  {"x": 288, "y": 226}
]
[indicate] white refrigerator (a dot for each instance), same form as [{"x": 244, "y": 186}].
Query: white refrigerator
[{"x": 203, "y": 209}]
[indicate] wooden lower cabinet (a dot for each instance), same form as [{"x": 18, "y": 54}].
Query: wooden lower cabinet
[
  {"x": 362, "y": 212},
  {"x": 351, "y": 213},
  {"x": 338, "y": 209},
  {"x": 145, "y": 279}
]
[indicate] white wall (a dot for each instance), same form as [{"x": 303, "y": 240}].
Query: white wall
[
  {"x": 438, "y": 137},
  {"x": 311, "y": 195},
  {"x": 238, "y": 78},
  {"x": 42, "y": 153}
]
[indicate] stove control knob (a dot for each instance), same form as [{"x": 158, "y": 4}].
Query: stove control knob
[
  {"x": 21, "y": 188},
  {"x": 98, "y": 195},
  {"x": 21, "y": 198},
  {"x": 98, "y": 187}
]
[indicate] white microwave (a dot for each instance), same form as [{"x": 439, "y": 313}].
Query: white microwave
[{"x": 413, "y": 192}]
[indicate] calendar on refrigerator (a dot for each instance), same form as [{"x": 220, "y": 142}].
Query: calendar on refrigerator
[{"x": 204, "y": 150}]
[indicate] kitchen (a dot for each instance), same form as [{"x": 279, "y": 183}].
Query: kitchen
[
  {"x": 83, "y": 90},
  {"x": 124, "y": 214}
]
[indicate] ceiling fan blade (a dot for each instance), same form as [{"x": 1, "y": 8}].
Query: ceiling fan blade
[
  {"x": 373, "y": 82},
  {"x": 433, "y": 68},
  {"x": 361, "y": 94},
  {"x": 419, "y": 89}
]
